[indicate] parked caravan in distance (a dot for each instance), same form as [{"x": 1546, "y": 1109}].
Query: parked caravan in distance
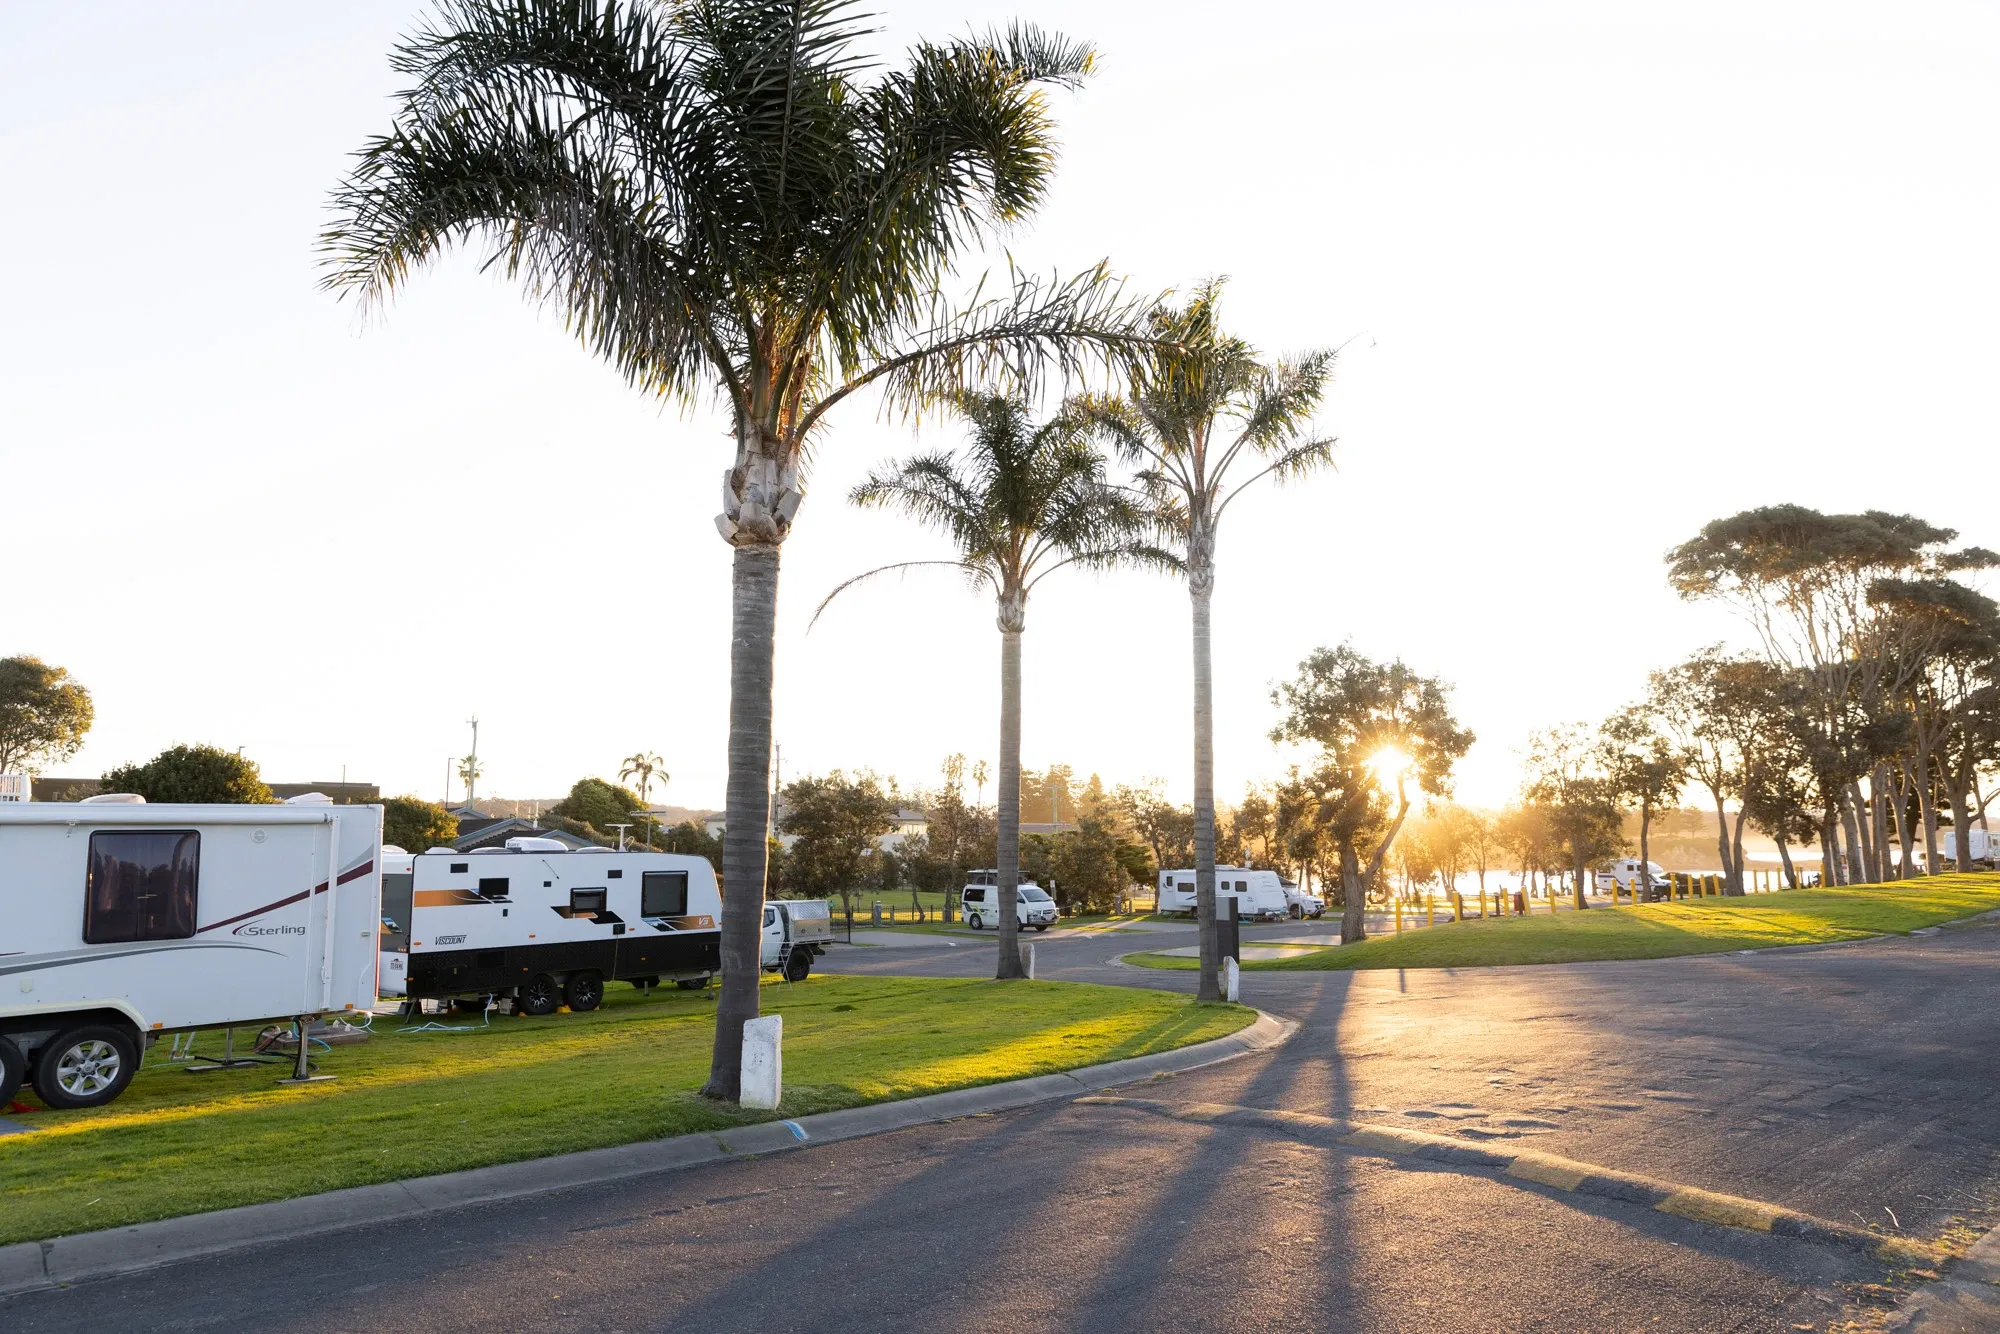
[
  {"x": 120, "y": 921},
  {"x": 542, "y": 926},
  {"x": 1259, "y": 895},
  {"x": 1979, "y": 841}
]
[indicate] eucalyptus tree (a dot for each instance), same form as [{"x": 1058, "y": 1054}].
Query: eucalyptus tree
[
  {"x": 1566, "y": 778},
  {"x": 1021, "y": 503},
  {"x": 727, "y": 203},
  {"x": 1204, "y": 421},
  {"x": 1804, "y": 580},
  {"x": 1377, "y": 725},
  {"x": 1645, "y": 768}
]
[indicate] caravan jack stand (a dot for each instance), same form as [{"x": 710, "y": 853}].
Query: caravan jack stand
[
  {"x": 230, "y": 1060},
  {"x": 302, "y": 1072}
]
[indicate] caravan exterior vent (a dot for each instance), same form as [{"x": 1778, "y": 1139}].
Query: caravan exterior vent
[
  {"x": 15, "y": 787},
  {"x": 536, "y": 845},
  {"x": 114, "y": 799},
  {"x": 309, "y": 799}
]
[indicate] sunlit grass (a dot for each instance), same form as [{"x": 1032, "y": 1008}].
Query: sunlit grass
[
  {"x": 1655, "y": 930},
  {"x": 412, "y": 1104}
]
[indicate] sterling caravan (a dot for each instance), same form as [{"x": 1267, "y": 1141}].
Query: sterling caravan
[
  {"x": 1258, "y": 894},
  {"x": 544, "y": 926},
  {"x": 120, "y": 921}
]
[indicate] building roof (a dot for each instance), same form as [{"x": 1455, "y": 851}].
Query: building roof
[{"x": 495, "y": 833}]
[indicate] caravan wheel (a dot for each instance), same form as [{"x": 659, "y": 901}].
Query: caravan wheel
[
  {"x": 538, "y": 995},
  {"x": 85, "y": 1067},
  {"x": 13, "y": 1069},
  {"x": 585, "y": 992}
]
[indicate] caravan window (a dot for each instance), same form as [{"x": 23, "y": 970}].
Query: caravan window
[
  {"x": 663, "y": 894},
  {"x": 140, "y": 885},
  {"x": 586, "y": 902},
  {"x": 493, "y": 887}
]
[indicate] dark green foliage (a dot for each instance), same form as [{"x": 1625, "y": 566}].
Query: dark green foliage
[
  {"x": 415, "y": 825},
  {"x": 836, "y": 821},
  {"x": 192, "y": 773},
  {"x": 691, "y": 840},
  {"x": 599, "y": 804}
]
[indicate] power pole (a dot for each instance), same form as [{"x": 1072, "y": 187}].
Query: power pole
[{"x": 777, "y": 784}]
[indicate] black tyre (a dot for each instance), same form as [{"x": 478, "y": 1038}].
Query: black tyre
[
  {"x": 86, "y": 1066},
  {"x": 976, "y": 922},
  {"x": 1041, "y": 926},
  {"x": 691, "y": 983},
  {"x": 13, "y": 1069},
  {"x": 797, "y": 965},
  {"x": 1298, "y": 913},
  {"x": 538, "y": 995},
  {"x": 584, "y": 993},
  {"x": 643, "y": 983}
]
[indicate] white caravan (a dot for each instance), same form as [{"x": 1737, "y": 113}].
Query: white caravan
[
  {"x": 120, "y": 921},
  {"x": 1259, "y": 895},
  {"x": 1979, "y": 841},
  {"x": 544, "y": 926},
  {"x": 979, "y": 902}
]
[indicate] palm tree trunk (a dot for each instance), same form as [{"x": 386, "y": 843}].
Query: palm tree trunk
[
  {"x": 1009, "y": 798},
  {"x": 753, "y": 620},
  {"x": 1201, "y": 586}
]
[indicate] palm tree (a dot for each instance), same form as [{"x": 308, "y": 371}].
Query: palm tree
[
  {"x": 724, "y": 202},
  {"x": 1022, "y": 503},
  {"x": 645, "y": 767},
  {"x": 1202, "y": 408}
]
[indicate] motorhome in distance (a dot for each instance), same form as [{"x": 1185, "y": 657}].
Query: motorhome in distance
[
  {"x": 542, "y": 926},
  {"x": 1259, "y": 895},
  {"x": 120, "y": 921}
]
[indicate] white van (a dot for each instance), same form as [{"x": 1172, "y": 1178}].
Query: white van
[
  {"x": 120, "y": 921},
  {"x": 979, "y": 903},
  {"x": 1624, "y": 873},
  {"x": 1259, "y": 895}
]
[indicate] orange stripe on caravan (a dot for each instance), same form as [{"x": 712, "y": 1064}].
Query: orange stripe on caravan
[{"x": 446, "y": 898}]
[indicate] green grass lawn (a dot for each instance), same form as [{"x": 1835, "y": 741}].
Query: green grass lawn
[
  {"x": 1655, "y": 930},
  {"x": 412, "y": 1104}
]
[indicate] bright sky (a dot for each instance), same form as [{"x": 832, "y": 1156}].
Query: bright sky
[{"x": 1621, "y": 269}]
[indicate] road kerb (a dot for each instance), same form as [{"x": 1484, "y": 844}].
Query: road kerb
[
  {"x": 29, "y": 1265},
  {"x": 1545, "y": 1169}
]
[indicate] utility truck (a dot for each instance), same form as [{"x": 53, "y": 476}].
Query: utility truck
[
  {"x": 796, "y": 931},
  {"x": 1259, "y": 895},
  {"x": 539, "y": 925},
  {"x": 120, "y": 921}
]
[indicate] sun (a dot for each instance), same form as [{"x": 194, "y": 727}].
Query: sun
[{"x": 1389, "y": 762}]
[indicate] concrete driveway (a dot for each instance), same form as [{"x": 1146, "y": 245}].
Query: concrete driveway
[{"x": 1855, "y": 1083}]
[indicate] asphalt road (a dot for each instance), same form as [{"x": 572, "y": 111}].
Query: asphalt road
[{"x": 1855, "y": 1083}]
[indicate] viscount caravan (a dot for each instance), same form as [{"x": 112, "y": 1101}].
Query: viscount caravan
[
  {"x": 120, "y": 921},
  {"x": 544, "y": 926},
  {"x": 1259, "y": 895}
]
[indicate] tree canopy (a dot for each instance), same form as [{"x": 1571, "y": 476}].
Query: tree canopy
[
  {"x": 44, "y": 715},
  {"x": 599, "y": 804},
  {"x": 192, "y": 774},
  {"x": 416, "y": 825},
  {"x": 836, "y": 821}
]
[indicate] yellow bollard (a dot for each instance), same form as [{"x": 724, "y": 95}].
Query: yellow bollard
[
  {"x": 1430, "y": 909},
  {"x": 1399, "y": 916}
]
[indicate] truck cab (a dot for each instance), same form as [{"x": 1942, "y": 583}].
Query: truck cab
[{"x": 796, "y": 931}]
